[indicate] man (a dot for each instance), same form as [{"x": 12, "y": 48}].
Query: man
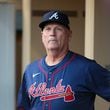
[{"x": 62, "y": 80}]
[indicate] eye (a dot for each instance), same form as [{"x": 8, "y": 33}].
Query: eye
[
  {"x": 47, "y": 28},
  {"x": 59, "y": 28}
]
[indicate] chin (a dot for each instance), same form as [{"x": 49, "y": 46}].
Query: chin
[{"x": 53, "y": 49}]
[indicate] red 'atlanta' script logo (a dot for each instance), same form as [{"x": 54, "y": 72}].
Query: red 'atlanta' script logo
[{"x": 53, "y": 92}]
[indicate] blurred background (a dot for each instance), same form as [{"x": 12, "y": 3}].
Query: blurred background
[{"x": 20, "y": 39}]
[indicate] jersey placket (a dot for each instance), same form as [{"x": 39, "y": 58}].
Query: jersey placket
[{"x": 47, "y": 103}]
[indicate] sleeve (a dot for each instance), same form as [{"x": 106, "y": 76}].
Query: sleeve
[
  {"x": 23, "y": 101},
  {"x": 98, "y": 80}
]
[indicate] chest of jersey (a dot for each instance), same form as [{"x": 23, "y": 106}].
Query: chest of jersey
[{"x": 60, "y": 87}]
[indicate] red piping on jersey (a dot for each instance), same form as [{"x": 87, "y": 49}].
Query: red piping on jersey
[
  {"x": 50, "y": 105},
  {"x": 46, "y": 75},
  {"x": 59, "y": 69},
  {"x": 43, "y": 71},
  {"x": 43, "y": 105},
  {"x": 55, "y": 72}
]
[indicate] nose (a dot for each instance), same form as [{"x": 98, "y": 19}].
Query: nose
[{"x": 53, "y": 32}]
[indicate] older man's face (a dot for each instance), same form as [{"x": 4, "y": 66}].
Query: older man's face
[{"x": 55, "y": 37}]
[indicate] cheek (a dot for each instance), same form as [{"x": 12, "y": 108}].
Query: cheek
[
  {"x": 64, "y": 40},
  {"x": 45, "y": 41}
]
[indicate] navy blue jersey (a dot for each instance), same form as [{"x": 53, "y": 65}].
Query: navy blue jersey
[{"x": 70, "y": 85}]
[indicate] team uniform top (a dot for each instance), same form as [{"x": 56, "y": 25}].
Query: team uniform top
[{"x": 70, "y": 85}]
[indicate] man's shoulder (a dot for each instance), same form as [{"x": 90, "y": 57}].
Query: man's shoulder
[
  {"x": 33, "y": 65},
  {"x": 82, "y": 59}
]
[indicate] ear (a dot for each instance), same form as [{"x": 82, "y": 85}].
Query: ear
[{"x": 41, "y": 33}]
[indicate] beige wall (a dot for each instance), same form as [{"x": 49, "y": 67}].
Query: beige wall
[
  {"x": 77, "y": 24},
  {"x": 102, "y": 31},
  {"x": 55, "y": 4}
]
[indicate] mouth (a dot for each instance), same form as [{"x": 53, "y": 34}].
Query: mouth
[{"x": 53, "y": 40}]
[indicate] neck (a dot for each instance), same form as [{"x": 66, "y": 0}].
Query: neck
[{"x": 55, "y": 58}]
